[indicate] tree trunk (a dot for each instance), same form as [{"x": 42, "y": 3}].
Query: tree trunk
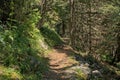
[
  {"x": 90, "y": 28},
  {"x": 116, "y": 57},
  {"x": 42, "y": 12},
  {"x": 63, "y": 28},
  {"x": 71, "y": 22}
]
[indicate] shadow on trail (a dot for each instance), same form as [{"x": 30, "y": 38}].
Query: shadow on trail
[
  {"x": 64, "y": 68},
  {"x": 88, "y": 64},
  {"x": 59, "y": 68},
  {"x": 58, "y": 74},
  {"x": 99, "y": 70}
]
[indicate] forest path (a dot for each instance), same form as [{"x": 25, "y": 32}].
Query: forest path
[{"x": 61, "y": 62}]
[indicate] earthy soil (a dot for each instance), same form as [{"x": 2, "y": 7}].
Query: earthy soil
[
  {"x": 64, "y": 62},
  {"x": 61, "y": 60}
]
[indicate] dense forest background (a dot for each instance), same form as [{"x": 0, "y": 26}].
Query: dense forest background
[{"x": 29, "y": 29}]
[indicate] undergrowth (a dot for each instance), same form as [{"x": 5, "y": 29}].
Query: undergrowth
[
  {"x": 9, "y": 74},
  {"x": 22, "y": 48},
  {"x": 80, "y": 75},
  {"x": 51, "y": 37}
]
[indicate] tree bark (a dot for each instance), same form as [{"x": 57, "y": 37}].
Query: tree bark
[
  {"x": 63, "y": 27},
  {"x": 42, "y": 12},
  {"x": 116, "y": 57},
  {"x": 71, "y": 22}
]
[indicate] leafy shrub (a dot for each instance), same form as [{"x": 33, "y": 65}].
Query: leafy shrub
[
  {"x": 19, "y": 41},
  {"x": 107, "y": 58}
]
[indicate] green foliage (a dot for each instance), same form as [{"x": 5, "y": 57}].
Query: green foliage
[
  {"x": 19, "y": 40},
  {"x": 106, "y": 57},
  {"x": 112, "y": 10},
  {"x": 118, "y": 65},
  {"x": 9, "y": 74},
  {"x": 33, "y": 77},
  {"x": 80, "y": 75},
  {"x": 51, "y": 37},
  {"x": 61, "y": 7}
]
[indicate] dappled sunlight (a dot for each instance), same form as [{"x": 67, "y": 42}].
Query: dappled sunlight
[
  {"x": 61, "y": 63},
  {"x": 60, "y": 40}
]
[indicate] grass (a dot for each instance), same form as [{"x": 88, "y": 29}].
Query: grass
[
  {"x": 7, "y": 73},
  {"x": 80, "y": 75}
]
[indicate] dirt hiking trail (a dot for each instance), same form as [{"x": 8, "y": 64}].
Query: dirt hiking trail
[
  {"x": 61, "y": 61},
  {"x": 64, "y": 64}
]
